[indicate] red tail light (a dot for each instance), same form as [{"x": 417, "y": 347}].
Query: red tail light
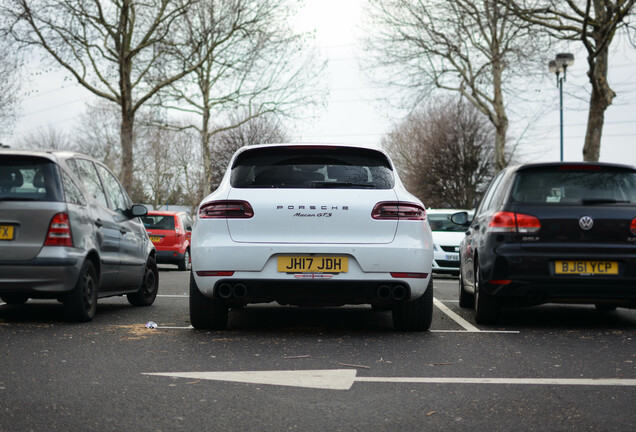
[
  {"x": 632, "y": 227},
  {"x": 226, "y": 209},
  {"x": 527, "y": 223},
  {"x": 508, "y": 222},
  {"x": 59, "y": 231},
  {"x": 396, "y": 210}
]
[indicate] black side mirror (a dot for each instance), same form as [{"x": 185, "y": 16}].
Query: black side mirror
[
  {"x": 137, "y": 210},
  {"x": 460, "y": 218}
]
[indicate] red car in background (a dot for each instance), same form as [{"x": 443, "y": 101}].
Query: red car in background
[{"x": 170, "y": 232}]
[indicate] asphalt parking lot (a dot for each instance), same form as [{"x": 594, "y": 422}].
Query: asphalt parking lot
[{"x": 553, "y": 367}]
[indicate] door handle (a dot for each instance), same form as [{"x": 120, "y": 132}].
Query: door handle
[
  {"x": 123, "y": 231},
  {"x": 99, "y": 223}
]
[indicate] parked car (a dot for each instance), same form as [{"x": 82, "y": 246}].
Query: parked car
[
  {"x": 69, "y": 231},
  {"x": 446, "y": 239},
  {"x": 311, "y": 225},
  {"x": 170, "y": 232},
  {"x": 551, "y": 232}
]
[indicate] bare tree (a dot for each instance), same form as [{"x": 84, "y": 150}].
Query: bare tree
[
  {"x": 122, "y": 51},
  {"x": 259, "y": 130},
  {"x": 48, "y": 138},
  {"x": 255, "y": 63},
  {"x": 464, "y": 46},
  {"x": 97, "y": 134},
  {"x": 444, "y": 153},
  {"x": 9, "y": 85},
  {"x": 595, "y": 23}
]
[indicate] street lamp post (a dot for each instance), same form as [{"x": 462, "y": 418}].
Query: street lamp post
[{"x": 559, "y": 67}]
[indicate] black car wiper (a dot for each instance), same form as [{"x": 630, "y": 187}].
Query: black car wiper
[
  {"x": 327, "y": 184},
  {"x": 593, "y": 201}
]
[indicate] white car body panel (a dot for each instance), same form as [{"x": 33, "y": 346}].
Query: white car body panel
[{"x": 250, "y": 247}]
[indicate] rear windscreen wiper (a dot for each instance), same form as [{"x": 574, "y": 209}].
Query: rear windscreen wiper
[
  {"x": 592, "y": 201},
  {"x": 327, "y": 184}
]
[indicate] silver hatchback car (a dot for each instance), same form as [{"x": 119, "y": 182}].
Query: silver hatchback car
[{"x": 69, "y": 231}]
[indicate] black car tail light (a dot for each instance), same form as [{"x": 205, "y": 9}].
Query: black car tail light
[
  {"x": 632, "y": 227},
  {"x": 389, "y": 210},
  {"x": 59, "y": 233},
  {"x": 509, "y": 222},
  {"x": 226, "y": 209}
]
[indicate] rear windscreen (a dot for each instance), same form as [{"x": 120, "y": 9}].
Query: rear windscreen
[
  {"x": 574, "y": 185},
  {"x": 312, "y": 167},
  {"x": 158, "y": 222},
  {"x": 24, "y": 178}
]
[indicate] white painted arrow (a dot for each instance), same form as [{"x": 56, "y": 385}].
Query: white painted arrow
[{"x": 343, "y": 379}]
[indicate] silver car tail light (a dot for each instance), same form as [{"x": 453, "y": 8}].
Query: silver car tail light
[
  {"x": 226, "y": 209},
  {"x": 59, "y": 233},
  {"x": 389, "y": 210}
]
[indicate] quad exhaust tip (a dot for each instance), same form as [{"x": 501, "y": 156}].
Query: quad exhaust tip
[
  {"x": 226, "y": 291},
  {"x": 396, "y": 292}
]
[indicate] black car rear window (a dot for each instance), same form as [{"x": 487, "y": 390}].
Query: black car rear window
[
  {"x": 26, "y": 178},
  {"x": 312, "y": 167},
  {"x": 575, "y": 184},
  {"x": 158, "y": 222}
]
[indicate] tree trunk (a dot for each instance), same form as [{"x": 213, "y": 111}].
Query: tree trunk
[
  {"x": 602, "y": 95},
  {"x": 206, "y": 152},
  {"x": 600, "y": 100},
  {"x": 127, "y": 121},
  {"x": 500, "y": 119}
]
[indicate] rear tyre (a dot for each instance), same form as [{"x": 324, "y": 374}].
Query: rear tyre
[
  {"x": 14, "y": 299},
  {"x": 487, "y": 308},
  {"x": 206, "y": 313},
  {"x": 466, "y": 300},
  {"x": 147, "y": 292},
  {"x": 415, "y": 315},
  {"x": 184, "y": 264},
  {"x": 80, "y": 304}
]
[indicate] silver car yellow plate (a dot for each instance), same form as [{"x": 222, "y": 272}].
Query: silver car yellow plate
[
  {"x": 6, "y": 232},
  {"x": 313, "y": 264}
]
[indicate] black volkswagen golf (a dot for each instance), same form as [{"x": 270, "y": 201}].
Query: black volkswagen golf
[{"x": 551, "y": 233}]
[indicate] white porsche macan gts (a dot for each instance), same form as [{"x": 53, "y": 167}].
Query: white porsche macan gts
[{"x": 304, "y": 224}]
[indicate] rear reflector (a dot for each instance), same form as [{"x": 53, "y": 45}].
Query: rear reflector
[
  {"x": 632, "y": 228},
  {"x": 59, "y": 231},
  {"x": 390, "y": 210},
  {"x": 500, "y": 282},
  {"x": 409, "y": 275},
  {"x": 226, "y": 209},
  {"x": 214, "y": 273}
]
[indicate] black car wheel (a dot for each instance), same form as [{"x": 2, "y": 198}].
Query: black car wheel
[
  {"x": 466, "y": 300},
  {"x": 415, "y": 315},
  {"x": 149, "y": 287},
  {"x": 185, "y": 263},
  {"x": 206, "y": 313},
  {"x": 14, "y": 299},
  {"x": 80, "y": 304},
  {"x": 486, "y": 306}
]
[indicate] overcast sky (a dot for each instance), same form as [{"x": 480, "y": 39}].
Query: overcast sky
[{"x": 355, "y": 113}]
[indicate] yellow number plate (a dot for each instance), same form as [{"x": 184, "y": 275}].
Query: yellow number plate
[
  {"x": 6, "y": 232},
  {"x": 586, "y": 267},
  {"x": 313, "y": 264},
  {"x": 155, "y": 239}
]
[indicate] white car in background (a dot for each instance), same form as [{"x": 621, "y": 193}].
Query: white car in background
[
  {"x": 446, "y": 236},
  {"x": 311, "y": 225}
]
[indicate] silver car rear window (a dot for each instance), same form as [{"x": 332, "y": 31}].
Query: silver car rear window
[
  {"x": 312, "y": 167},
  {"x": 26, "y": 178},
  {"x": 575, "y": 185}
]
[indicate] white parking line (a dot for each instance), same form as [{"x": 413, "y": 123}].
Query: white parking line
[{"x": 462, "y": 322}]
